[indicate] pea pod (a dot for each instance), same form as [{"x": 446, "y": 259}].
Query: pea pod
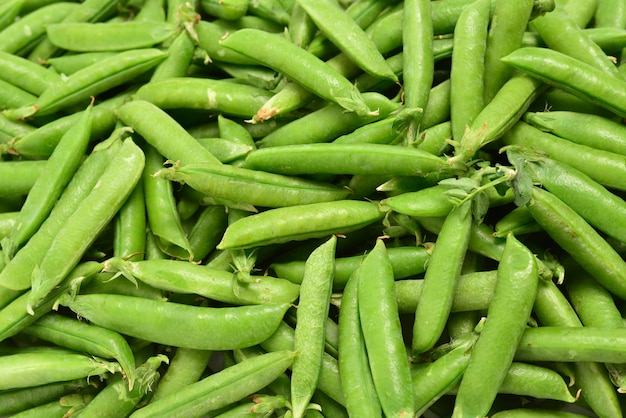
[
  {"x": 346, "y": 159},
  {"x": 90, "y": 217},
  {"x": 220, "y": 389},
  {"x": 188, "y": 278},
  {"x": 299, "y": 223},
  {"x": 508, "y": 313},
  {"x": 180, "y": 325},
  {"x": 185, "y": 367},
  {"x": 382, "y": 334},
  {"x": 313, "y": 306},
  {"x": 97, "y": 78},
  {"x": 98, "y": 37},
  {"x": 250, "y": 186},
  {"x": 278, "y": 53}
]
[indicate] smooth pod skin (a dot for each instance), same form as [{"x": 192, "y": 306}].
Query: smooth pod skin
[
  {"x": 85, "y": 338},
  {"x": 382, "y": 333},
  {"x": 89, "y": 218},
  {"x": 157, "y": 127},
  {"x": 18, "y": 177},
  {"x": 528, "y": 379},
  {"x": 299, "y": 223},
  {"x": 220, "y": 389},
  {"x": 98, "y": 37},
  {"x": 252, "y": 187},
  {"x": 188, "y": 278},
  {"x": 185, "y": 367},
  {"x": 598, "y": 206},
  {"x": 278, "y": 53},
  {"x": 431, "y": 201},
  {"x": 468, "y": 65},
  {"x": 496, "y": 346},
  {"x": 354, "y": 369},
  {"x": 579, "y": 239},
  {"x": 334, "y": 158},
  {"x": 607, "y": 168},
  {"x": 312, "y": 311},
  {"x": 406, "y": 261},
  {"x": 440, "y": 280},
  {"x": 130, "y": 227},
  {"x": 344, "y": 32},
  {"x": 18, "y": 400},
  {"x": 221, "y": 96},
  {"x": 587, "y": 129},
  {"x": 34, "y": 369},
  {"x": 28, "y": 75},
  {"x": 572, "y": 75},
  {"x": 181, "y": 325}
]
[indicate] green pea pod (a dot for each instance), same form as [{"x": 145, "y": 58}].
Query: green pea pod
[
  {"x": 407, "y": 261},
  {"x": 435, "y": 379},
  {"x": 346, "y": 34},
  {"x": 354, "y": 369},
  {"x": 61, "y": 166},
  {"x": 28, "y": 75},
  {"x": 23, "y": 33},
  {"x": 85, "y": 338},
  {"x": 507, "y": 316},
  {"x": 579, "y": 239},
  {"x": 98, "y": 37},
  {"x": 220, "y": 389},
  {"x": 163, "y": 218},
  {"x": 157, "y": 127},
  {"x": 431, "y": 201},
  {"x": 535, "y": 413},
  {"x": 299, "y": 223},
  {"x": 33, "y": 369},
  {"x": 18, "y": 400},
  {"x": 313, "y": 306},
  {"x": 117, "y": 399},
  {"x": 9, "y": 11},
  {"x": 69, "y": 64},
  {"x": 582, "y": 128},
  {"x": 188, "y": 278},
  {"x": 586, "y": 81},
  {"x": 232, "y": 327},
  {"x": 10, "y": 97},
  {"x": 440, "y": 280},
  {"x": 229, "y": 9},
  {"x": 518, "y": 221},
  {"x": 382, "y": 333},
  {"x": 90, "y": 81},
  {"x": 130, "y": 227},
  {"x": 527, "y": 379},
  {"x": 90, "y": 217},
  {"x": 278, "y": 53},
  {"x": 250, "y": 186},
  {"x": 598, "y": 206},
  {"x": 18, "y": 273},
  {"x": 346, "y": 159},
  {"x": 185, "y": 367}
]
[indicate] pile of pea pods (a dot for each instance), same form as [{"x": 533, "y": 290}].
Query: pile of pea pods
[{"x": 312, "y": 208}]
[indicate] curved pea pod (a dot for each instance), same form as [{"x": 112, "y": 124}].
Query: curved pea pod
[
  {"x": 229, "y": 9},
  {"x": 181, "y": 325},
  {"x": 598, "y": 206},
  {"x": 220, "y": 95},
  {"x": 188, "y": 278},
  {"x": 9, "y": 11},
  {"x": 90, "y": 81},
  {"x": 89, "y": 218},
  {"x": 328, "y": 122},
  {"x": 507, "y": 316},
  {"x": 225, "y": 150},
  {"x": 221, "y": 389},
  {"x": 594, "y": 131},
  {"x": 354, "y": 369},
  {"x": 117, "y": 399},
  {"x": 23, "y": 33},
  {"x": 406, "y": 262},
  {"x": 346, "y": 159},
  {"x": 209, "y": 35},
  {"x": 29, "y": 76},
  {"x": 528, "y": 379},
  {"x": 518, "y": 221},
  {"x": 277, "y": 52},
  {"x": 382, "y": 333},
  {"x": 607, "y": 168},
  {"x": 98, "y": 37},
  {"x": 580, "y": 240},
  {"x": 431, "y": 201},
  {"x": 535, "y": 413},
  {"x": 69, "y": 64},
  {"x": 157, "y": 127},
  {"x": 572, "y": 75},
  {"x": 82, "y": 337},
  {"x": 28, "y": 369},
  {"x": 252, "y": 187},
  {"x": 300, "y": 222},
  {"x": 14, "y": 401},
  {"x": 436, "y": 378}
]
